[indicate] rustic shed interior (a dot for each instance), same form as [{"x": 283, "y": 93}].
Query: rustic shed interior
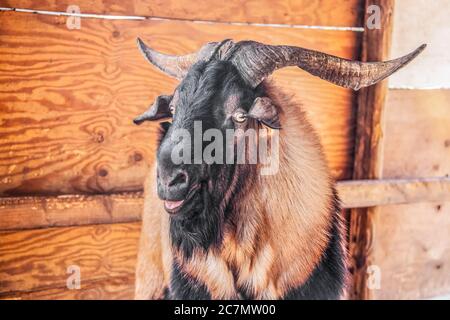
[{"x": 73, "y": 164}]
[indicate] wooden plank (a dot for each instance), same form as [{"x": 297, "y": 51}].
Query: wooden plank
[
  {"x": 412, "y": 243},
  {"x": 369, "y": 193},
  {"x": 369, "y": 146},
  {"x": 17, "y": 213},
  {"x": 39, "y": 259},
  {"x": 116, "y": 288},
  {"x": 67, "y": 98},
  {"x": 304, "y": 12},
  {"x": 432, "y": 68}
]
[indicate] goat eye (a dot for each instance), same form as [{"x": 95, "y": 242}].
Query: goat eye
[
  {"x": 172, "y": 110},
  {"x": 239, "y": 117}
]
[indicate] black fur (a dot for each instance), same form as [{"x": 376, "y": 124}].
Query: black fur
[
  {"x": 202, "y": 95},
  {"x": 184, "y": 287},
  {"x": 199, "y": 231}
]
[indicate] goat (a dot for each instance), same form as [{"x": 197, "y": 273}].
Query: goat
[{"x": 225, "y": 231}]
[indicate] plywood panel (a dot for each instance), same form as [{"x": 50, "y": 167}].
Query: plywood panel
[
  {"x": 410, "y": 242},
  {"x": 306, "y": 12},
  {"x": 38, "y": 259},
  {"x": 417, "y": 22},
  {"x": 67, "y": 98}
]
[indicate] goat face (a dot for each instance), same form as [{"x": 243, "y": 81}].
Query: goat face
[{"x": 211, "y": 102}]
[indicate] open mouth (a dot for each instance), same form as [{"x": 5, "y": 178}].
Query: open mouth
[{"x": 174, "y": 206}]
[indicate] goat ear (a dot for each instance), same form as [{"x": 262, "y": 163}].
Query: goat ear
[
  {"x": 158, "y": 110},
  {"x": 265, "y": 111}
]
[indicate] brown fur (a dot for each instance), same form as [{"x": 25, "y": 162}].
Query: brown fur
[{"x": 280, "y": 230}]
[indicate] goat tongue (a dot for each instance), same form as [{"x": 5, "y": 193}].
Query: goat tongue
[{"x": 173, "y": 204}]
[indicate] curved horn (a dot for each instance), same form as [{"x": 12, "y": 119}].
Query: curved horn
[
  {"x": 255, "y": 61},
  {"x": 177, "y": 66}
]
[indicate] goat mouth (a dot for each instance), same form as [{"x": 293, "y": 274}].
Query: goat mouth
[{"x": 174, "y": 206}]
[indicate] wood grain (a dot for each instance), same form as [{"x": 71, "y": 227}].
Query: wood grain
[
  {"x": 67, "y": 98},
  {"x": 17, "y": 213},
  {"x": 38, "y": 259},
  {"x": 368, "y": 158},
  {"x": 305, "y": 12},
  {"x": 412, "y": 244},
  {"x": 116, "y": 288},
  {"x": 370, "y": 193}
]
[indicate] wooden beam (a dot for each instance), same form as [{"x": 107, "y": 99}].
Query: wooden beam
[
  {"x": 111, "y": 288},
  {"x": 19, "y": 213},
  {"x": 368, "y": 146},
  {"x": 369, "y": 193}
]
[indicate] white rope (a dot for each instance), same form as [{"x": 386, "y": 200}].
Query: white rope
[
  {"x": 116, "y": 17},
  {"x": 419, "y": 87}
]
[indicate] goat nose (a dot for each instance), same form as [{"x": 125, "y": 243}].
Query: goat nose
[
  {"x": 178, "y": 178},
  {"x": 178, "y": 184}
]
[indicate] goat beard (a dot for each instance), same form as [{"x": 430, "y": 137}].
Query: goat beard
[{"x": 201, "y": 229}]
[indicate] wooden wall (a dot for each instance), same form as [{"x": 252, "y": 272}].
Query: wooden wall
[
  {"x": 410, "y": 243},
  {"x": 71, "y": 162}
]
